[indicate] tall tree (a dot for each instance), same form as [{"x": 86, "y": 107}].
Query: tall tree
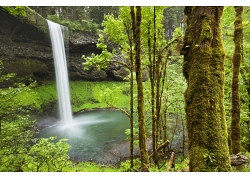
[
  {"x": 237, "y": 58},
  {"x": 136, "y": 23},
  {"x": 122, "y": 37},
  {"x": 203, "y": 68}
]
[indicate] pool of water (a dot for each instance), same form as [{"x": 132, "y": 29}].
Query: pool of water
[{"x": 92, "y": 134}]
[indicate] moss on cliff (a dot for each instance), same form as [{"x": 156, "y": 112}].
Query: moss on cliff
[{"x": 28, "y": 16}]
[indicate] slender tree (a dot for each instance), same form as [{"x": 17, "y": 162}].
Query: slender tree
[
  {"x": 131, "y": 66},
  {"x": 152, "y": 85},
  {"x": 237, "y": 58},
  {"x": 136, "y": 22},
  {"x": 203, "y": 68}
]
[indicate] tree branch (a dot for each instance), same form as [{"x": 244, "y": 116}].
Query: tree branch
[{"x": 121, "y": 63}]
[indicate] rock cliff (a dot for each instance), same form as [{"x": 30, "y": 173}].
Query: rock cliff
[{"x": 25, "y": 49}]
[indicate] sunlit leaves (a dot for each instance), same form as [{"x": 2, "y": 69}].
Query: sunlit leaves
[
  {"x": 114, "y": 30},
  {"x": 100, "y": 60},
  {"x": 48, "y": 155}
]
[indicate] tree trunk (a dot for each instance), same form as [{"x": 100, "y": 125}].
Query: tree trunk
[
  {"x": 131, "y": 104},
  {"x": 136, "y": 22},
  {"x": 203, "y": 68},
  {"x": 244, "y": 71},
  {"x": 151, "y": 76},
  {"x": 237, "y": 58},
  {"x": 152, "y": 81}
]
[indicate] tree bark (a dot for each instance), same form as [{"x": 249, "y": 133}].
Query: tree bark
[
  {"x": 131, "y": 103},
  {"x": 152, "y": 86},
  {"x": 136, "y": 22},
  {"x": 203, "y": 68},
  {"x": 237, "y": 58}
]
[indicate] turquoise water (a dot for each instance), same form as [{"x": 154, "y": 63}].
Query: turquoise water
[{"x": 92, "y": 134}]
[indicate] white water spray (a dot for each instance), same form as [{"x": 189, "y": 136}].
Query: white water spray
[{"x": 61, "y": 70}]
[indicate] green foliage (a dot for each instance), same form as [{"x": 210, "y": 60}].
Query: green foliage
[
  {"x": 15, "y": 138},
  {"x": 92, "y": 167},
  {"x": 88, "y": 95},
  {"x": 173, "y": 18},
  {"x": 117, "y": 34},
  {"x": 246, "y": 167},
  {"x": 15, "y": 10},
  {"x": 48, "y": 156},
  {"x": 125, "y": 166},
  {"x": 9, "y": 101},
  {"x": 177, "y": 33},
  {"x": 80, "y": 25},
  {"x": 181, "y": 164},
  {"x": 84, "y": 95},
  {"x": 147, "y": 26},
  {"x": 18, "y": 153},
  {"x": 108, "y": 96},
  {"x": 100, "y": 60},
  {"x": 70, "y": 24},
  {"x": 136, "y": 134}
]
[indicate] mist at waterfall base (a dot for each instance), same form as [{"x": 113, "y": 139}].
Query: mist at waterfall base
[{"x": 91, "y": 134}]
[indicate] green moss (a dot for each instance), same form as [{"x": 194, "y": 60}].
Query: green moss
[
  {"x": 204, "y": 71},
  {"x": 28, "y": 16},
  {"x": 237, "y": 58},
  {"x": 27, "y": 67},
  {"x": 43, "y": 98},
  {"x": 206, "y": 34},
  {"x": 15, "y": 10}
]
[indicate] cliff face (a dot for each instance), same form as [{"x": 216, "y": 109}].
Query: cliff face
[{"x": 25, "y": 49}]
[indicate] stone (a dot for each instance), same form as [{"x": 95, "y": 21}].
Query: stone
[{"x": 238, "y": 159}]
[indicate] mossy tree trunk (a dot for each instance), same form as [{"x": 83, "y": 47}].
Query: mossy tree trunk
[
  {"x": 244, "y": 71},
  {"x": 136, "y": 22},
  {"x": 127, "y": 25},
  {"x": 237, "y": 58},
  {"x": 203, "y": 68},
  {"x": 152, "y": 86},
  {"x": 131, "y": 101}
]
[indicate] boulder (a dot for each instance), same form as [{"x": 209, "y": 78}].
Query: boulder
[{"x": 238, "y": 159}]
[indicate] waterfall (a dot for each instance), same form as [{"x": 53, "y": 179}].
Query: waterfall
[{"x": 62, "y": 81}]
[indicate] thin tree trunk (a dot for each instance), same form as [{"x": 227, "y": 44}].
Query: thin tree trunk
[
  {"x": 157, "y": 96},
  {"x": 136, "y": 22},
  {"x": 245, "y": 78},
  {"x": 131, "y": 115},
  {"x": 237, "y": 58},
  {"x": 151, "y": 75},
  {"x": 203, "y": 68},
  {"x": 183, "y": 136},
  {"x": 131, "y": 105}
]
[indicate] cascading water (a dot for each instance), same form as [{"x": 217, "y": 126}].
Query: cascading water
[{"x": 62, "y": 81}]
